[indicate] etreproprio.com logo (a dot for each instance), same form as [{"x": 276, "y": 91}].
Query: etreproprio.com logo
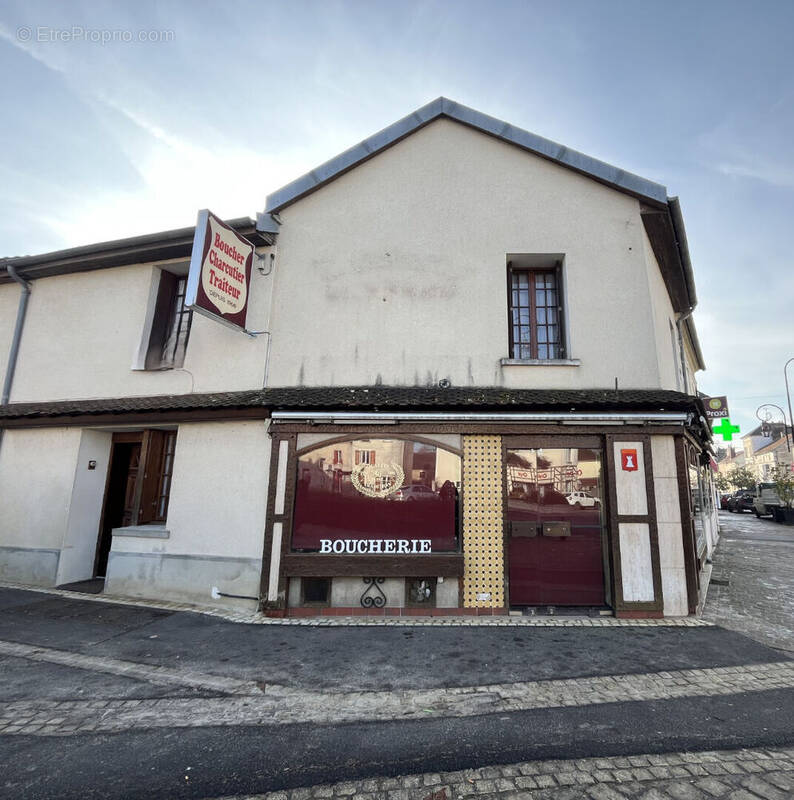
[{"x": 77, "y": 33}]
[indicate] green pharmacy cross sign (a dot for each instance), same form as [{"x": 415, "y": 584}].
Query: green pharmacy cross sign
[{"x": 725, "y": 429}]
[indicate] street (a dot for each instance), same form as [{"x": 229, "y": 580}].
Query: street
[{"x": 107, "y": 700}]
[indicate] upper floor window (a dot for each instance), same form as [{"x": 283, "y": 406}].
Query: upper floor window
[
  {"x": 170, "y": 324},
  {"x": 535, "y": 312},
  {"x": 365, "y": 456}
]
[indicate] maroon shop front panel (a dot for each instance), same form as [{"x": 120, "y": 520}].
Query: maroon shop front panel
[{"x": 555, "y": 526}]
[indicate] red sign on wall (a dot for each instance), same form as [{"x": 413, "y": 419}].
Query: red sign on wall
[
  {"x": 220, "y": 271},
  {"x": 628, "y": 459}
]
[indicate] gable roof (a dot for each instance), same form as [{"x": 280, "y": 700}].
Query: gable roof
[
  {"x": 615, "y": 177},
  {"x": 769, "y": 448}
]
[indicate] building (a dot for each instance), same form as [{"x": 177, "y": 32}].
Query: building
[
  {"x": 471, "y": 388},
  {"x": 768, "y": 451}
]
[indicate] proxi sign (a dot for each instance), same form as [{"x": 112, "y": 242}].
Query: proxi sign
[{"x": 220, "y": 271}]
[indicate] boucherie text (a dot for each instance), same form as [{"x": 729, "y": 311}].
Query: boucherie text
[{"x": 370, "y": 546}]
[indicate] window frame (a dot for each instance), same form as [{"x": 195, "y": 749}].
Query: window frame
[
  {"x": 168, "y": 323},
  {"x": 561, "y": 343}
]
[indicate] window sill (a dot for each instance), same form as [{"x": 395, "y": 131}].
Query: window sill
[
  {"x": 540, "y": 362},
  {"x": 153, "y": 531}
]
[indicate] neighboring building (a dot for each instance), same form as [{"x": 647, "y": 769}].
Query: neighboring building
[
  {"x": 501, "y": 414},
  {"x": 732, "y": 459},
  {"x": 769, "y": 453}
]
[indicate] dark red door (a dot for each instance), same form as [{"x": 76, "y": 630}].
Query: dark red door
[{"x": 555, "y": 530}]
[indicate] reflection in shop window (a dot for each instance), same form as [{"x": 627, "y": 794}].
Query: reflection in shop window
[{"x": 377, "y": 489}]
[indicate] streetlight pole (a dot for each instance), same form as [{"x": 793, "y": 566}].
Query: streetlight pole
[{"x": 788, "y": 398}]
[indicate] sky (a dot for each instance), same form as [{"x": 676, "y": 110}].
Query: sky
[{"x": 124, "y": 119}]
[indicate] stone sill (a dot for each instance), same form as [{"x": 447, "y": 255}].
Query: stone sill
[
  {"x": 143, "y": 531},
  {"x": 540, "y": 362}
]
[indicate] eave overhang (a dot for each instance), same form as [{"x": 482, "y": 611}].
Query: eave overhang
[{"x": 163, "y": 246}]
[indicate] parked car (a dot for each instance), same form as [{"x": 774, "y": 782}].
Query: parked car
[
  {"x": 741, "y": 501},
  {"x": 581, "y": 499},
  {"x": 410, "y": 494},
  {"x": 765, "y": 500}
]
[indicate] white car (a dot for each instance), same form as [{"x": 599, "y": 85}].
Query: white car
[
  {"x": 410, "y": 494},
  {"x": 581, "y": 499}
]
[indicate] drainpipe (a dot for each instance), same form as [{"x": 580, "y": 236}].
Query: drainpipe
[{"x": 22, "y": 309}]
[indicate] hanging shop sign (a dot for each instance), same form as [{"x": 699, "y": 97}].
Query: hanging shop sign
[
  {"x": 628, "y": 459},
  {"x": 220, "y": 271},
  {"x": 716, "y": 407}
]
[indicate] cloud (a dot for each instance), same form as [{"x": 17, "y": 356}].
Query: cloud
[{"x": 754, "y": 143}]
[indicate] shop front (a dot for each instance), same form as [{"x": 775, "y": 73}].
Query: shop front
[{"x": 447, "y": 516}]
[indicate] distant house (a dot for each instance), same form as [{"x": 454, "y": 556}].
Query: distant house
[
  {"x": 475, "y": 392},
  {"x": 769, "y": 453}
]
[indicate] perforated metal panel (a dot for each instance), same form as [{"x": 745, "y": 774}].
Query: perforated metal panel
[{"x": 483, "y": 546}]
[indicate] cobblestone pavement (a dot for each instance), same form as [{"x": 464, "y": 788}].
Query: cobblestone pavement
[
  {"x": 727, "y": 775},
  {"x": 752, "y": 580},
  {"x": 280, "y": 705}
]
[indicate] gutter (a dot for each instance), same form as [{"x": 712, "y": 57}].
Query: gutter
[
  {"x": 683, "y": 248},
  {"x": 682, "y": 245},
  {"x": 17, "y": 338}
]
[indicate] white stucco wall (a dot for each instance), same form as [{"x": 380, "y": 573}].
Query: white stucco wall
[
  {"x": 9, "y": 302},
  {"x": 90, "y": 325},
  {"x": 218, "y": 492},
  {"x": 215, "y": 522},
  {"x": 37, "y": 469},
  {"x": 395, "y": 272}
]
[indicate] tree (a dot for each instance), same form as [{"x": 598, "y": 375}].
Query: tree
[
  {"x": 722, "y": 482},
  {"x": 784, "y": 485},
  {"x": 741, "y": 478}
]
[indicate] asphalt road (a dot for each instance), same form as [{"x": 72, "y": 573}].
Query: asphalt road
[
  {"x": 364, "y": 658},
  {"x": 207, "y": 760},
  {"x": 245, "y": 760}
]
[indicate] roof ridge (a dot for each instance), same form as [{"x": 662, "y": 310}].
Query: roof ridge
[{"x": 601, "y": 171}]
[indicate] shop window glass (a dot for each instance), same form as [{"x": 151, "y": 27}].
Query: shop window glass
[{"x": 377, "y": 489}]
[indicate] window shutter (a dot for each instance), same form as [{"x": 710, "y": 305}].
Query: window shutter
[
  {"x": 152, "y": 467},
  {"x": 371, "y": 456},
  {"x": 358, "y": 456}
]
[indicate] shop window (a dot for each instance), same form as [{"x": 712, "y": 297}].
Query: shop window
[
  {"x": 535, "y": 312},
  {"x": 316, "y": 591},
  {"x": 171, "y": 324},
  {"x": 377, "y": 496}
]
